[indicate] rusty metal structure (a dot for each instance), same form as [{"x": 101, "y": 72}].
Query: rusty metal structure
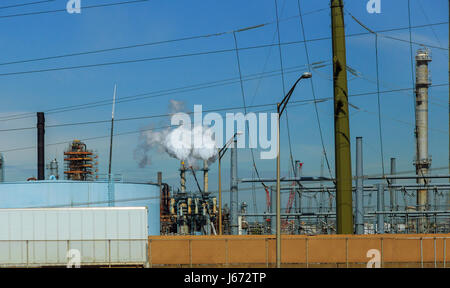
[
  {"x": 80, "y": 163},
  {"x": 186, "y": 212}
]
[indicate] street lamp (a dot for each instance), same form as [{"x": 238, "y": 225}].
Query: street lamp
[
  {"x": 221, "y": 153},
  {"x": 280, "y": 108}
]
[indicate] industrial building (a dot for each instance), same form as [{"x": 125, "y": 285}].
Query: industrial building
[{"x": 342, "y": 220}]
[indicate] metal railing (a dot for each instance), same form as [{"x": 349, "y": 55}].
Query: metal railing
[{"x": 301, "y": 251}]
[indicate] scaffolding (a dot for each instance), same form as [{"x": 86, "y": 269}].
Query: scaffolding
[{"x": 80, "y": 163}]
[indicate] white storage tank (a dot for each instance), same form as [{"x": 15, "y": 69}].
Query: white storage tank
[{"x": 64, "y": 193}]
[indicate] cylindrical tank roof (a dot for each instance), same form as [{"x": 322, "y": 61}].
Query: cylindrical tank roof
[{"x": 65, "y": 193}]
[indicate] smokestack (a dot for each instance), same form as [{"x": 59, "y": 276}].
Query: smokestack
[
  {"x": 205, "y": 176},
  {"x": 40, "y": 145},
  {"x": 422, "y": 162},
  {"x": 2, "y": 171},
  {"x": 183, "y": 177},
  {"x": 162, "y": 199},
  {"x": 159, "y": 178}
]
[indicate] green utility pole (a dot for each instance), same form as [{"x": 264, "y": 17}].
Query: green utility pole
[{"x": 344, "y": 210}]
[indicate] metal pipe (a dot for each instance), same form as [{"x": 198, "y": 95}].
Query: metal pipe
[
  {"x": 380, "y": 207},
  {"x": 359, "y": 188},
  {"x": 368, "y": 214},
  {"x": 183, "y": 177},
  {"x": 220, "y": 154},
  {"x": 323, "y": 179},
  {"x": 392, "y": 194},
  {"x": 410, "y": 177},
  {"x": 283, "y": 179},
  {"x": 298, "y": 192},
  {"x": 162, "y": 198},
  {"x": 372, "y": 188},
  {"x": 429, "y": 212},
  {"x": 220, "y": 195},
  {"x": 273, "y": 201},
  {"x": 278, "y": 226},
  {"x": 205, "y": 176},
  {"x": 234, "y": 189},
  {"x": 2, "y": 171},
  {"x": 40, "y": 146}
]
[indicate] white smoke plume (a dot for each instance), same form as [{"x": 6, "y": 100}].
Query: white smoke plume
[
  {"x": 190, "y": 145},
  {"x": 176, "y": 106},
  {"x": 183, "y": 143}
]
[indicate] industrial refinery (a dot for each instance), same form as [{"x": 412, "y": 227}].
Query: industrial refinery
[{"x": 316, "y": 154}]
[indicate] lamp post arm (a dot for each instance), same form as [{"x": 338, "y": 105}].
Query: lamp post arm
[
  {"x": 224, "y": 149},
  {"x": 286, "y": 98}
]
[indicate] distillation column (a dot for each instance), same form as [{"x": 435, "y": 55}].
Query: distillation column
[{"x": 422, "y": 161}]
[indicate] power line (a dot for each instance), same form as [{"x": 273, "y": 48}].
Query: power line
[
  {"x": 318, "y": 100},
  {"x": 146, "y": 44},
  {"x": 133, "y": 61},
  {"x": 245, "y": 106},
  {"x": 143, "y": 117},
  {"x": 379, "y": 105},
  {"x": 126, "y": 199},
  {"x": 199, "y": 53},
  {"x": 25, "y": 4},
  {"x": 268, "y": 56},
  {"x": 380, "y": 134},
  {"x": 154, "y": 94},
  {"x": 120, "y": 62},
  {"x": 428, "y": 21},
  {"x": 64, "y": 10},
  {"x": 313, "y": 90},
  {"x": 294, "y": 104},
  {"x": 127, "y": 133},
  {"x": 396, "y": 120},
  {"x": 280, "y": 54},
  {"x": 302, "y": 102},
  {"x": 91, "y": 138}
]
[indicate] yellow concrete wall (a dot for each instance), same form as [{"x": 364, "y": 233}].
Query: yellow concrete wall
[{"x": 397, "y": 250}]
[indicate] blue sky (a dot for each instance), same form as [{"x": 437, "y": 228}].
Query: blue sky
[{"x": 52, "y": 34}]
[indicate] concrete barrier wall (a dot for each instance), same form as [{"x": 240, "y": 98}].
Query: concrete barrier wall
[{"x": 395, "y": 250}]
